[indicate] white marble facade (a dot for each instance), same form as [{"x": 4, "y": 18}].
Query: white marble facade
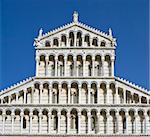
[{"x": 74, "y": 91}]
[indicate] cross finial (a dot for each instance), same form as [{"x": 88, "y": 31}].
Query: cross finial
[{"x": 75, "y": 16}]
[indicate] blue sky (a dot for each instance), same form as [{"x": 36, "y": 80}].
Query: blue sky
[{"x": 20, "y": 21}]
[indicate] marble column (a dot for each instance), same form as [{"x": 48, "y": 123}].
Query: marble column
[
  {"x": 56, "y": 60},
  {"x": 108, "y": 122},
  {"x": 108, "y": 93},
  {"x": 80, "y": 88},
  {"x": 49, "y": 122},
  {"x": 68, "y": 122},
  {"x": 21, "y": 117},
  {"x": 41, "y": 88},
  {"x": 37, "y": 65},
  {"x": 89, "y": 122},
  {"x": 103, "y": 59},
  {"x": 89, "y": 94},
  {"x": 46, "y": 66},
  {"x": 12, "y": 122},
  {"x": 84, "y": 64},
  {"x": 25, "y": 95},
  {"x": 93, "y": 66},
  {"x": 40, "y": 121},
  {"x": 59, "y": 114},
  {"x": 79, "y": 122},
  {"x": 69, "y": 90},
  {"x": 3, "y": 117},
  {"x": 112, "y": 66},
  {"x": 65, "y": 66},
  {"x": 31, "y": 115}
]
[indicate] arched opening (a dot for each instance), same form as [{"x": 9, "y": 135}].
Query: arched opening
[
  {"x": 84, "y": 93},
  {"x": 79, "y": 39},
  {"x": 54, "y": 121},
  {"x": 71, "y": 39},
  {"x": 42, "y": 66},
  {"x": 55, "y": 93},
  {"x": 55, "y": 42},
  {"x": 95, "y": 42},
  {"x": 63, "y": 121},
  {"x": 74, "y": 121},
  {"x": 47, "y": 44},
  {"x": 103, "y": 93},
  {"x": 84, "y": 122},
  {"x": 103, "y": 44},
  {"x": 88, "y": 65},
  {"x": 51, "y": 66},
  {"x": 61, "y": 65},
  {"x": 93, "y": 93},
  {"x": 87, "y": 41},
  {"x": 94, "y": 126},
  {"x": 74, "y": 93},
  {"x": 98, "y": 66},
  {"x": 79, "y": 66},
  {"x": 107, "y": 66},
  {"x": 70, "y": 65},
  {"x": 64, "y": 94},
  {"x": 63, "y": 40}
]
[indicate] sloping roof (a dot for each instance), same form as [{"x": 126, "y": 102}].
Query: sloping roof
[
  {"x": 128, "y": 83},
  {"x": 81, "y": 25},
  {"x": 23, "y": 82}
]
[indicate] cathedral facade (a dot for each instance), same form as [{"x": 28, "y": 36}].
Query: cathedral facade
[{"x": 74, "y": 91}]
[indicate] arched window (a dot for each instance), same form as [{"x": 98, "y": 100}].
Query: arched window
[
  {"x": 103, "y": 43},
  {"x": 71, "y": 39},
  {"x": 79, "y": 39},
  {"x": 47, "y": 44},
  {"x": 63, "y": 40},
  {"x": 87, "y": 40},
  {"x": 95, "y": 42},
  {"x": 55, "y": 42},
  {"x": 24, "y": 123}
]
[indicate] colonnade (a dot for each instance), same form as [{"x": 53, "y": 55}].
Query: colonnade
[
  {"x": 74, "y": 93},
  {"x": 70, "y": 65},
  {"x": 72, "y": 121},
  {"x": 76, "y": 39}
]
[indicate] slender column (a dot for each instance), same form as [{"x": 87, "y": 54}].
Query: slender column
[
  {"x": 46, "y": 67},
  {"x": 31, "y": 115},
  {"x": 98, "y": 120},
  {"x": 127, "y": 117},
  {"x": 59, "y": 93},
  {"x": 103, "y": 59},
  {"x": 3, "y": 115},
  {"x": 69, "y": 86},
  {"x": 117, "y": 122},
  {"x": 75, "y": 65},
  {"x": 9, "y": 99},
  {"x": 49, "y": 122},
  {"x": 93, "y": 66},
  {"x": 32, "y": 94},
  {"x": 21, "y": 126},
  {"x": 17, "y": 98},
  {"x": 107, "y": 124},
  {"x": 41, "y": 88},
  {"x": 89, "y": 94},
  {"x": 89, "y": 122},
  {"x": 40, "y": 121},
  {"x": 79, "y": 122},
  {"x": 56, "y": 60},
  {"x": 91, "y": 42},
  {"x": 50, "y": 94},
  {"x": 108, "y": 93},
  {"x": 67, "y": 41},
  {"x": 68, "y": 122},
  {"x": 59, "y": 114},
  {"x": 65, "y": 66},
  {"x": 146, "y": 123},
  {"x": 136, "y": 124},
  {"x": 24, "y": 92},
  {"x": 124, "y": 95},
  {"x": 112, "y": 66},
  {"x": 59, "y": 41},
  {"x": 80, "y": 94},
  {"x": 117, "y": 95},
  {"x": 37, "y": 65},
  {"x": 98, "y": 95},
  {"x": 75, "y": 38},
  {"x": 12, "y": 122},
  {"x": 82, "y": 41},
  {"x": 140, "y": 99},
  {"x": 84, "y": 62}
]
